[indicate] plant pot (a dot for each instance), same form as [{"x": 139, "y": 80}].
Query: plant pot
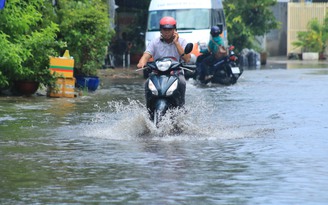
[
  {"x": 322, "y": 56},
  {"x": 25, "y": 87},
  {"x": 264, "y": 57},
  {"x": 310, "y": 56},
  {"x": 89, "y": 82}
]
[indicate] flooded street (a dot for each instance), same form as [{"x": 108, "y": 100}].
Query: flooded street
[{"x": 261, "y": 141}]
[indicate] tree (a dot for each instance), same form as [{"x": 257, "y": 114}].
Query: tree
[
  {"x": 84, "y": 26},
  {"x": 27, "y": 39},
  {"x": 248, "y": 18},
  {"x": 31, "y": 31}
]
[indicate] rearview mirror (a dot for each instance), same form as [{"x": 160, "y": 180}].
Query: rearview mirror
[{"x": 188, "y": 48}]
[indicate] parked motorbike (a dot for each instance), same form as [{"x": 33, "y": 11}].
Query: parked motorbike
[
  {"x": 225, "y": 70},
  {"x": 165, "y": 87}
]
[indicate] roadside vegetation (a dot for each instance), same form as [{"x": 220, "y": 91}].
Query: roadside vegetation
[
  {"x": 247, "y": 19},
  {"x": 315, "y": 38},
  {"x": 31, "y": 31}
]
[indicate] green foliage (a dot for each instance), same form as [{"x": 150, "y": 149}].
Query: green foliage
[
  {"x": 40, "y": 45},
  {"x": 27, "y": 40},
  {"x": 239, "y": 34},
  {"x": 315, "y": 38},
  {"x": 85, "y": 26},
  {"x": 246, "y": 19},
  {"x": 33, "y": 30},
  {"x": 11, "y": 58}
]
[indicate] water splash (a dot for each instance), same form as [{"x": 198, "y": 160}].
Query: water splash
[{"x": 129, "y": 120}]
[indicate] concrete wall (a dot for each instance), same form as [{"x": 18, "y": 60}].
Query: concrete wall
[{"x": 276, "y": 40}]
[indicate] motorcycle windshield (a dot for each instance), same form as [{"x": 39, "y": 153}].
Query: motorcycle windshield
[{"x": 197, "y": 18}]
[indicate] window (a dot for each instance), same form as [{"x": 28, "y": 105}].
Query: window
[{"x": 187, "y": 19}]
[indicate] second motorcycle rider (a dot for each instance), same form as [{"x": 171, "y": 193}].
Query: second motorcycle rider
[{"x": 209, "y": 58}]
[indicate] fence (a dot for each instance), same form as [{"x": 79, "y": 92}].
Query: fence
[{"x": 299, "y": 14}]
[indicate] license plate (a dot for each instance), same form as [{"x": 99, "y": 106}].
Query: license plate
[{"x": 235, "y": 70}]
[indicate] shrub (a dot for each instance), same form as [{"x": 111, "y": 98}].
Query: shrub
[
  {"x": 26, "y": 42},
  {"x": 85, "y": 26},
  {"x": 315, "y": 38}
]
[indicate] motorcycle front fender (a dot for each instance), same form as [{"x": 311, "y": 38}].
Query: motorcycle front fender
[{"x": 161, "y": 106}]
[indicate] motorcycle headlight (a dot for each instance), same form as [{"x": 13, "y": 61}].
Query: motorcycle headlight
[
  {"x": 152, "y": 87},
  {"x": 172, "y": 88},
  {"x": 163, "y": 65}
]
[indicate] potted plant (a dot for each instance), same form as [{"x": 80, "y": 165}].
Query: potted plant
[
  {"x": 85, "y": 26},
  {"x": 27, "y": 39},
  {"x": 314, "y": 40},
  {"x": 39, "y": 46}
]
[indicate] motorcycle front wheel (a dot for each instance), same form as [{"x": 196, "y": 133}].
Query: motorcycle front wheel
[{"x": 157, "y": 117}]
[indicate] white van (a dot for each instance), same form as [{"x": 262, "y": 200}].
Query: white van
[{"x": 194, "y": 19}]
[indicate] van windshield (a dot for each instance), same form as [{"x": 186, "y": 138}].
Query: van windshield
[{"x": 187, "y": 19}]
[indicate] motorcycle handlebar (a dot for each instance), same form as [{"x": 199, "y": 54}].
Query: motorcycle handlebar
[
  {"x": 144, "y": 68},
  {"x": 188, "y": 67}
]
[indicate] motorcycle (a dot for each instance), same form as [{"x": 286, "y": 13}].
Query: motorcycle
[
  {"x": 165, "y": 86},
  {"x": 224, "y": 71}
]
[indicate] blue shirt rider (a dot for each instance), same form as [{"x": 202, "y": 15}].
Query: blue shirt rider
[{"x": 212, "y": 48}]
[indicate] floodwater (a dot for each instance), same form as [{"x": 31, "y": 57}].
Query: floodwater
[{"x": 261, "y": 141}]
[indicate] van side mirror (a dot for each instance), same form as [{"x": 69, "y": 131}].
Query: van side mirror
[{"x": 188, "y": 48}]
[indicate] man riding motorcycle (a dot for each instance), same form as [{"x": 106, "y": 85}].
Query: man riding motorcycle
[{"x": 168, "y": 44}]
